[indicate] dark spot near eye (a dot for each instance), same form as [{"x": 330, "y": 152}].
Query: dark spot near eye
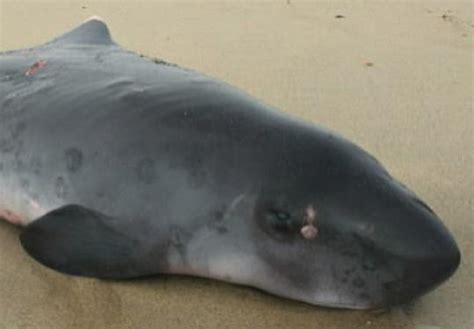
[
  {"x": 281, "y": 216},
  {"x": 274, "y": 219},
  {"x": 74, "y": 159},
  {"x": 358, "y": 282},
  {"x": 60, "y": 187},
  {"x": 145, "y": 171},
  {"x": 278, "y": 215},
  {"x": 280, "y": 220}
]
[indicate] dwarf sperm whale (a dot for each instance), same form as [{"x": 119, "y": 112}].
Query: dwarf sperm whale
[{"x": 120, "y": 166}]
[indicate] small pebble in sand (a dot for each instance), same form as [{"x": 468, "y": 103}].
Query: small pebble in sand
[
  {"x": 447, "y": 17},
  {"x": 339, "y": 16}
]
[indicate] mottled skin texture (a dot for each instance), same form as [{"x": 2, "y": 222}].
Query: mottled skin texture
[{"x": 136, "y": 167}]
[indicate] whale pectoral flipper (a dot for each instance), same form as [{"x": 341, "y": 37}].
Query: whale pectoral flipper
[{"x": 81, "y": 241}]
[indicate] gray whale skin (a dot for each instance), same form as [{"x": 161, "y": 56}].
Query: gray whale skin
[{"x": 120, "y": 166}]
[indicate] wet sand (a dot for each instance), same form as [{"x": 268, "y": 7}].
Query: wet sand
[{"x": 396, "y": 78}]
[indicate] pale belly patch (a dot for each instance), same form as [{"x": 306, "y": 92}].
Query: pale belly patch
[{"x": 19, "y": 208}]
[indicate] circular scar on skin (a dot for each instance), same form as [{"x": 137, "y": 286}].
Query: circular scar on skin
[{"x": 309, "y": 231}]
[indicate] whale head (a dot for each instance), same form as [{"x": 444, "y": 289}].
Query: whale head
[
  {"x": 334, "y": 228},
  {"x": 326, "y": 224}
]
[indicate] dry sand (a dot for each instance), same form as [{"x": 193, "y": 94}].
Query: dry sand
[{"x": 395, "y": 77}]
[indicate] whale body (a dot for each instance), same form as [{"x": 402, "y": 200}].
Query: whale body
[{"x": 120, "y": 166}]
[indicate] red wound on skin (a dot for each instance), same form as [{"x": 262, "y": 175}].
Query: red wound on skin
[
  {"x": 35, "y": 68},
  {"x": 309, "y": 231}
]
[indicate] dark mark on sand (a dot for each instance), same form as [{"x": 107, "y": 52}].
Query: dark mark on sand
[{"x": 447, "y": 17}]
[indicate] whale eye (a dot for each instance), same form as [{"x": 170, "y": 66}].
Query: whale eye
[{"x": 280, "y": 220}]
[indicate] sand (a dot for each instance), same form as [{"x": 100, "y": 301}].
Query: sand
[{"x": 394, "y": 77}]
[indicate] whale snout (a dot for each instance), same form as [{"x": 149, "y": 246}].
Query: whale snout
[
  {"x": 402, "y": 249},
  {"x": 424, "y": 251},
  {"x": 426, "y": 268},
  {"x": 422, "y": 275}
]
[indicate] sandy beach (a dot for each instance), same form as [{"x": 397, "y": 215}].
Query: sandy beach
[{"x": 395, "y": 77}]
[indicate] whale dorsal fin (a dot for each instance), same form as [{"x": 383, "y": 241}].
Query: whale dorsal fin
[{"x": 93, "y": 31}]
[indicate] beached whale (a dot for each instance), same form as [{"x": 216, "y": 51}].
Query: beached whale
[{"x": 120, "y": 166}]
